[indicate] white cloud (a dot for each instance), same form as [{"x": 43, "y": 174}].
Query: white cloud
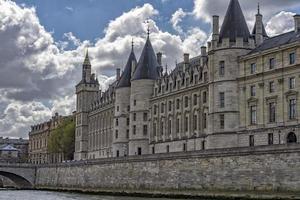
[
  {"x": 280, "y": 23},
  {"x": 38, "y": 74},
  {"x": 177, "y": 18},
  {"x": 205, "y": 9}
]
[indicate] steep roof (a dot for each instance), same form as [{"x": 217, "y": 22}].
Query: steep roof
[
  {"x": 87, "y": 59},
  {"x": 8, "y": 147},
  {"x": 277, "y": 41},
  {"x": 264, "y": 30},
  {"x": 234, "y": 24},
  {"x": 147, "y": 67},
  {"x": 126, "y": 75}
]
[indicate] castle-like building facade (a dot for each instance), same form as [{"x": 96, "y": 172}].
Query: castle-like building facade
[{"x": 241, "y": 91}]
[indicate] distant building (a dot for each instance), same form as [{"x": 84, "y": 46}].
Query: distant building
[
  {"x": 241, "y": 91},
  {"x": 39, "y": 138},
  {"x": 13, "y": 150}
]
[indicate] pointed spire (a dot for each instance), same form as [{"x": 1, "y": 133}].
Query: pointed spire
[
  {"x": 132, "y": 44},
  {"x": 87, "y": 59},
  {"x": 125, "y": 79},
  {"x": 234, "y": 25},
  {"x": 258, "y": 9},
  {"x": 147, "y": 67}
]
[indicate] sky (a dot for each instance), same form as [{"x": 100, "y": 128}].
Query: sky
[{"x": 43, "y": 43}]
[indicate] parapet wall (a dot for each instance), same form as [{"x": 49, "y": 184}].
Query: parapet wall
[{"x": 265, "y": 169}]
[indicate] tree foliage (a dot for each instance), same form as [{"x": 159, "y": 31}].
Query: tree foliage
[{"x": 62, "y": 139}]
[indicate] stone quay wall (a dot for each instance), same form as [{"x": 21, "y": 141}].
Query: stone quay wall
[{"x": 267, "y": 169}]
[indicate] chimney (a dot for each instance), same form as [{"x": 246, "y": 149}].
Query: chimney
[
  {"x": 297, "y": 23},
  {"x": 158, "y": 57},
  {"x": 216, "y": 33},
  {"x": 118, "y": 73},
  {"x": 186, "y": 58},
  {"x": 203, "y": 51}
]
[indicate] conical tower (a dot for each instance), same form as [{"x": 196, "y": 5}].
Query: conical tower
[
  {"x": 233, "y": 41},
  {"x": 142, "y": 83},
  {"x": 122, "y": 109}
]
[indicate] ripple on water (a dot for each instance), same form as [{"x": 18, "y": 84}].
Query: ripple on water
[{"x": 47, "y": 195}]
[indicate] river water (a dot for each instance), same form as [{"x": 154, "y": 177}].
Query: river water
[{"x": 46, "y": 195}]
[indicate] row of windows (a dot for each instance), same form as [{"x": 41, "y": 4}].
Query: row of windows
[
  {"x": 272, "y": 63},
  {"x": 184, "y": 147},
  {"x": 177, "y": 84},
  {"x": 291, "y": 138},
  {"x": 292, "y": 110},
  {"x": 177, "y": 125},
  {"x": 291, "y": 85},
  {"x": 186, "y": 103},
  {"x": 145, "y": 131},
  {"x": 145, "y": 118}
]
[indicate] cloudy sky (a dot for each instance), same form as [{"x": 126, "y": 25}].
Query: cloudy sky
[{"x": 43, "y": 44}]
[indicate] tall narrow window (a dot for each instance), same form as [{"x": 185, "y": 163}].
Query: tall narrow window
[
  {"x": 270, "y": 138},
  {"x": 271, "y": 86},
  {"x": 177, "y": 103},
  {"x": 162, "y": 108},
  {"x": 222, "y": 99},
  {"x": 251, "y": 140},
  {"x": 170, "y": 105},
  {"x": 139, "y": 151},
  {"x": 204, "y": 97},
  {"x": 145, "y": 116},
  {"x": 170, "y": 126},
  {"x": 292, "y": 109},
  {"x": 195, "y": 120},
  {"x": 203, "y": 145},
  {"x": 153, "y": 150},
  {"x": 168, "y": 148},
  {"x": 117, "y": 122},
  {"x": 186, "y": 124},
  {"x": 222, "y": 121},
  {"x": 222, "y": 68},
  {"x": 184, "y": 147},
  {"x": 127, "y": 133},
  {"x": 292, "y": 83},
  {"x": 162, "y": 128},
  {"x": 154, "y": 129},
  {"x": 195, "y": 99},
  {"x": 252, "y": 90},
  {"x": 155, "y": 109},
  {"x": 272, "y": 112},
  {"x": 253, "y": 68},
  {"x": 292, "y": 58},
  {"x": 127, "y": 121},
  {"x": 134, "y": 129},
  {"x": 117, "y": 134},
  {"x": 253, "y": 115},
  {"x": 145, "y": 129},
  {"x": 134, "y": 116},
  {"x": 134, "y": 102},
  {"x": 204, "y": 121},
  {"x": 272, "y": 63},
  {"x": 186, "y": 101},
  {"x": 177, "y": 125}
]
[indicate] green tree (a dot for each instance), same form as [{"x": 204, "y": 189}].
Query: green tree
[{"x": 62, "y": 139}]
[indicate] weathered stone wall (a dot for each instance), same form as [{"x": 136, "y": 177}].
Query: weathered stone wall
[{"x": 270, "y": 168}]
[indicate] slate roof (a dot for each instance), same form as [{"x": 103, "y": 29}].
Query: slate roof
[
  {"x": 234, "y": 24},
  {"x": 277, "y": 41},
  {"x": 8, "y": 147},
  {"x": 264, "y": 31},
  {"x": 147, "y": 67},
  {"x": 125, "y": 79}
]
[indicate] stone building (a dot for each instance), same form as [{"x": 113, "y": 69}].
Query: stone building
[
  {"x": 39, "y": 138},
  {"x": 13, "y": 150},
  {"x": 242, "y": 90}
]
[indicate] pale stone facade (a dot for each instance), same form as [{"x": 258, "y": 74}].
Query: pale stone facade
[{"x": 242, "y": 90}]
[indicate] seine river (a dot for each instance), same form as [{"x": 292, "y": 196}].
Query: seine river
[{"x": 45, "y": 195}]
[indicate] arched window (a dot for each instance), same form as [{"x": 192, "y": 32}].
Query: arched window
[{"x": 291, "y": 138}]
